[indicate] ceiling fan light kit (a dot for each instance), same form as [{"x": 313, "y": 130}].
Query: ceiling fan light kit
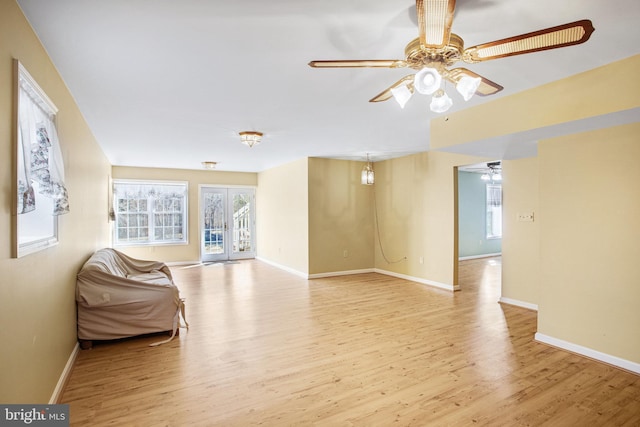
[
  {"x": 436, "y": 49},
  {"x": 492, "y": 177}
]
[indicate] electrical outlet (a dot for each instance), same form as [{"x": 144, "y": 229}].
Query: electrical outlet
[
  {"x": 421, "y": 260},
  {"x": 525, "y": 217},
  {"x": 345, "y": 253}
]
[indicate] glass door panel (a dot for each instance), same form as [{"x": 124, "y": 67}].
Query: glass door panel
[
  {"x": 242, "y": 221},
  {"x": 213, "y": 230}
]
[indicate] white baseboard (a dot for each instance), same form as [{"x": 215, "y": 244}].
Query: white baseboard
[
  {"x": 340, "y": 273},
  {"x": 284, "y": 267},
  {"x": 64, "y": 377},
  {"x": 433, "y": 283},
  {"x": 518, "y": 303},
  {"x": 388, "y": 273},
  {"x": 464, "y": 258},
  {"x": 179, "y": 263},
  {"x": 445, "y": 286},
  {"x": 590, "y": 353}
]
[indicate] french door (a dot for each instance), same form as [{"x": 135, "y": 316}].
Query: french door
[{"x": 227, "y": 225}]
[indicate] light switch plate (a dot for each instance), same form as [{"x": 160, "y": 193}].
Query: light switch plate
[{"x": 525, "y": 217}]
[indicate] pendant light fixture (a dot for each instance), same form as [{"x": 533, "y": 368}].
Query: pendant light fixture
[{"x": 368, "y": 176}]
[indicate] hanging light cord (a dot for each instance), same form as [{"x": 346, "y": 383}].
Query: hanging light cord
[{"x": 375, "y": 213}]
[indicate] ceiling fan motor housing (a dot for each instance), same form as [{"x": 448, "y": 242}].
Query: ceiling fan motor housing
[{"x": 418, "y": 56}]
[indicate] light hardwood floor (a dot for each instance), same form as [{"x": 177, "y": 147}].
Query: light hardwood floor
[{"x": 268, "y": 348}]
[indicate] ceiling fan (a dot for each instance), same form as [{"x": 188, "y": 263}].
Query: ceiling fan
[
  {"x": 437, "y": 49},
  {"x": 490, "y": 171}
]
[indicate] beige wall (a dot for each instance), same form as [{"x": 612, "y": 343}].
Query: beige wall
[
  {"x": 586, "y": 217},
  {"x": 584, "y": 95},
  {"x": 282, "y": 213},
  {"x": 188, "y": 252},
  {"x": 340, "y": 217},
  {"x": 416, "y": 204},
  {"x": 589, "y": 240},
  {"x": 37, "y": 291},
  {"x": 520, "y": 240}
]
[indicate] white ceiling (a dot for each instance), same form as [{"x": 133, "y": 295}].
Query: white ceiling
[{"x": 167, "y": 83}]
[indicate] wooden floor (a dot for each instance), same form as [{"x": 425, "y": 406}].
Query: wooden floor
[{"x": 268, "y": 348}]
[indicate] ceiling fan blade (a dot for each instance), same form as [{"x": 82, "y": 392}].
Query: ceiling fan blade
[
  {"x": 386, "y": 94},
  {"x": 550, "y": 38},
  {"x": 434, "y": 21},
  {"x": 487, "y": 87},
  {"x": 371, "y": 63}
]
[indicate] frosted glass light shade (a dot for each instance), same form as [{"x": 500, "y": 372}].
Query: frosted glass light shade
[
  {"x": 440, "y": 102},
  {"x": 427, "y": 81},
  {"x": 401, "y": 94},
  {"x": 467, "y": 86}
]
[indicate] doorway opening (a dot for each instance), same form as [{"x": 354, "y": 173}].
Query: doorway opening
[{"x": 478, "y": 225}]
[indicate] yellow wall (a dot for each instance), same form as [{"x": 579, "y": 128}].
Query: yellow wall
[
  {"x": 584, "y": 95},
  {"x": 340, "y": 217},
  {"x": 520, "y": 240},
  {"x": 282, "y": 223},
  {"x": 590, "y": 240},
  {"x": 187, "y": 252},
  {"x": 37, "y": 291},
  {"x": 416, "y": 203},
  {"x": 583, "y": 278}
]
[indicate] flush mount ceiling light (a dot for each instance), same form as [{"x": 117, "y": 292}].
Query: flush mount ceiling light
[
  {"x": 209, "y": 165},
  {"x": 250, "y": 138},
  {"x": 436, "y": 49},
  {"x": 368, "y": 176}
]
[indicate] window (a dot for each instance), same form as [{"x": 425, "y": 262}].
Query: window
[
  {"x": 150, "y": 212},
  {"x": 40, "y": 192},
  {"x": 494, "y": 211}
]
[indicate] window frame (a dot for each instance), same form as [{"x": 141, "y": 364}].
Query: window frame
[
  {"x": 151, "y": 214},
  {"x": 37, "y": 230}
]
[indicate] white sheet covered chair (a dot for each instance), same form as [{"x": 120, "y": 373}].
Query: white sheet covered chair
[{"x": 119, "y": 296}]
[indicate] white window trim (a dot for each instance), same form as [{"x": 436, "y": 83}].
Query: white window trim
[
  {"x": 23, "y": 244},
  {"x": 185, "y": 219},
  {"x": 494, "y": 236}
]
